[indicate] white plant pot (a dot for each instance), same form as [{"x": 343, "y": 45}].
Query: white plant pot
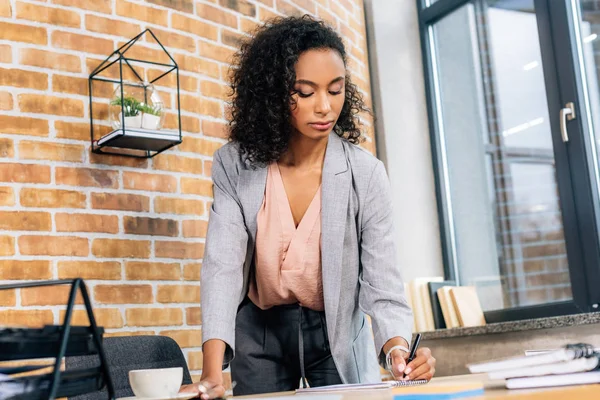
[
  {"x": 132, "y": 122},
  {"x": 150, "y": 121}
]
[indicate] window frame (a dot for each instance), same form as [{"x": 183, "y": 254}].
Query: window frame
[{"x": 575, "y": 188}]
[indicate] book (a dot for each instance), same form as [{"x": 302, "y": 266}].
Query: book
[
  {"x": 582, "y": 378},
  {"x": 448, "y": 310},
  {"x": 439, "y": 391},
  {"x": 422, "y": 303},
  {"x": 438, "y": 315},
  {"x": 468, "y": 308},
  {"x": 566, "y": 367},
  {"x": 360, "y": 386}
]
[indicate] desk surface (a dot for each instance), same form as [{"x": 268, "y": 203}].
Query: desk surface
[{"x": 493, "y": 390}]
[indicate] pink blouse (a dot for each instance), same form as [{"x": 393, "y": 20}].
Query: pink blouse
[{"x": 287, "y": 258}]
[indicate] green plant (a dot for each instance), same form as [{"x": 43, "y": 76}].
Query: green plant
[
  {"x": 147, "y": 109},
  {"x": 131, "y": 107}
]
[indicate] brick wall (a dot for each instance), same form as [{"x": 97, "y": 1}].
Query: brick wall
[{"x": 134, "y": 229}]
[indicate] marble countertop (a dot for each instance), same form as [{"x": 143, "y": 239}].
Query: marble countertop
[{"x": 515, "y": 326}]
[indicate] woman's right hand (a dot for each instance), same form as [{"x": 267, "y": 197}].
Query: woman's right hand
[{"x": 207, "y": 388}]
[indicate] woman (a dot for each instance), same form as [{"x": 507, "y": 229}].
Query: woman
[{"x": 300, "y": 241}]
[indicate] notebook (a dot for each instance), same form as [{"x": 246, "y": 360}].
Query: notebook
[
  {"x": 566, "y": 367},
  {"x": 468, "y": 308},
  {"x": 360, "y": 386},
  {"x": 582, "y": 378}
]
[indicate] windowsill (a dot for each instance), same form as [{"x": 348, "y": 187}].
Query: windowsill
[{"x": 515, "y": 326}]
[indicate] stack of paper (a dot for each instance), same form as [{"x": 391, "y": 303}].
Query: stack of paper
[{"x": 556, "y": 368}]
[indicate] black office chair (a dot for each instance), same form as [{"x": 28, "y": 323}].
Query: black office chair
[{"x": 124, "y": 354}]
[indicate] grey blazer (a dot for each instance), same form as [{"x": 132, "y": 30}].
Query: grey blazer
[{"x": 360, "y": 275}]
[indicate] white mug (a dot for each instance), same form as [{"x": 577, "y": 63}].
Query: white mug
[{"x": 153, "y": 383}]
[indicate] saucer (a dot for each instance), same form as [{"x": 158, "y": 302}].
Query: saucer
[{"x": 179, "y": 396}]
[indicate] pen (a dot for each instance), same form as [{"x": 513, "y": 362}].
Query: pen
[{"x": 413, "y": 349}]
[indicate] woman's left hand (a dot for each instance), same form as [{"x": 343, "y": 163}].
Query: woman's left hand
[{"x": 421, "y": 367}]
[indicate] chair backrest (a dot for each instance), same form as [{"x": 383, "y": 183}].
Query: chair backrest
[{"x": 124, "y": 354}]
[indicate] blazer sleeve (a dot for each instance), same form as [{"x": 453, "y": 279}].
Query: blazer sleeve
[
  {"x": 222, "y": 266},
  {"x": 381, "y": 287}
]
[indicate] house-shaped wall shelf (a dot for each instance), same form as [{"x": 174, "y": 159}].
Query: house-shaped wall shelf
[{"x": 128, "y": 115}]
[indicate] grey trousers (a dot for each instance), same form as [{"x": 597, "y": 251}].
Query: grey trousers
[{"x": 279, "y": 347}]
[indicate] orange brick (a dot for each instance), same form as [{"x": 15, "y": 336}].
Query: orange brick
[
  {"x": 194, "y": 26},
  {"x": 150, "y": 271},
  {"x": 87, "y": 177},
  {"x": 103, "y": 6},
  {"x": 23, "y": 79},
  {"x": 191, "y": 272},
  {"x": 185, "y": 6},
  {"x": 248, "y": 25},
  {"x": 7, "y": 196},
  {"x": 88, "y": 44},
  {"x": 185, "y": 337},
  {"x": 338, "y": 10},
  {"x": 105, "y": 317},
  {"x": 168, "y": 205},
  {"x": 150, "y": 226},
  {"x": 53, "y": 246},
  {"x": 27, "y": 318},
  {"x": 201, "y": 187},
  {"x": 176, "y": 163},
  {"x": 195, "y": 360},
  {"x": 170, "y": 39},
  {"x": 213, "y": 89},
  {"x": 215, "y": 52},
  {"x": 198, "y": 105},
  {"x": 25, "y": 270},
  {"x": 128, "y": 333},
  {"x": 288, "y": 9},
  {"x": 6, "y": 148},
  {"x": 217, "y": 15},
  {"x": 42, "y": 104},
  {"x": 265, "y": 14},
  {"x": 5, "y": 53},
  {"x": 111, "y": 72},
  {"x": 5, "y": 9},
  {"x": 241, "y": 6},
  {"x": 200, "y": 146},
  {"x": 121, "y": 248},
  {"x": 87, "y": 223},
  {"x": 153, "y": 316},
  {"x": 100, "y": 111},
  {"x": 123, "y": 294},
  {"x": 193, "y": 315},
  {"x": 25, "y": 221},
  {"x": 108, "y": 270},
  {"x": 197, "y": 65},
  {"x": 48, "y": 296},
  {"x": 188, "y": 124},
  {"x": 149, "y": 182},
  {"x": 108, "y": 159},
  {"x": 8, "y": 298},
  {"x": 327, "y": 17},
  {"x": 231, "y": 38},
  {"x": 142, "y": 13},
  {"x": 308, "y": 5},
  {"x": 178, "y": 294},
  {"x": 52, "y": 198},
  {"x": 7, "y": 246},
  {"x": 111, "y": 26},
  {"x": 23, "y": 125},
  {"x": 6, "y": 101},
  {"x": 23, "y": 33},
  {"x": 180, "y": 250},
  {"x": 118, "y": 201},
  {"x": 72, "y": 85},
  {"x": 188, "y": 83},
  {"x": 74, "y": 130},
  {"x": 29, "y": 150},
  {"x": 195, "y": 228},
  {"x": 52, "y": 16},
  {"x": 215, "y": 129}
]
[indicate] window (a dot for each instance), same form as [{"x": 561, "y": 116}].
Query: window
[{"x": 516, "y": 197}]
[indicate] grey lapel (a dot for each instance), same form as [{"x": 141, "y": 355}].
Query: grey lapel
[
  {"x": 251, "y": 191},
  {"x": 335, "y": 192}
]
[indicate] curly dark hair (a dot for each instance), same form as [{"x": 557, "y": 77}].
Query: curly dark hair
[{"x": 262, "y": 82}]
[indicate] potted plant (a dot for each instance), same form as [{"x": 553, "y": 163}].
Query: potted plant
[
  {"x": 131, "y": 109},
  {"x": 150, "y": 116}
]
